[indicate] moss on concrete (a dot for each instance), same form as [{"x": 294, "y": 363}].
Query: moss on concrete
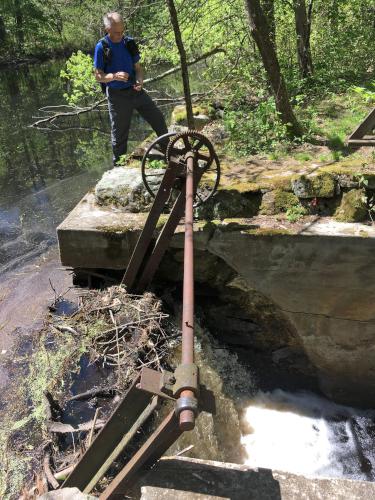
[
  {"x": 278, "y": 201},
  {"x": 162, "y": 220},
  {"x": 264, "y": 231},
  {"x": 240, "y": 187},
  {"x": 283, "y": 182},
  {"x": 353, "y": 207},
  {"x": 119, "y": 229}
]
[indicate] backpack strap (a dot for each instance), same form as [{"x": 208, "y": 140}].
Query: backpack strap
[
  {"x": 107, "y": 53},
  {"x": 107, "y": 56},
  {"x": 131, "y": 45}
]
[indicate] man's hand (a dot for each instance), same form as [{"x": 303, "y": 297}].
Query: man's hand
[
  {"x": 138, "y": 86},
  {"x": 121, "y": 76}
]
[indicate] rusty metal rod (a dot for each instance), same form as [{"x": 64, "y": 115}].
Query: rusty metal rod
[{"x": 187, "y": 417}]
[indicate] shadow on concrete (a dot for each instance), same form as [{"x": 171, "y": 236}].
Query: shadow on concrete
[{"x": 235, "y": 482}]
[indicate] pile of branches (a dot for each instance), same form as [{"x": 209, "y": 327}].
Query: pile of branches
[{"x": 124, "y": 331}]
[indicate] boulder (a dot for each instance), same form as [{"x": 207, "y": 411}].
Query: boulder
[
  {"x": 353, "y": 206},
  {"x": 200, "y": 113},
  {"x": 66, "y": 494},
  {"x": 274, "y": 202},
  {"x": 317, "y": 185},
  {"x": 123, "y": 187},
  {"x": 230, "y": 203}
]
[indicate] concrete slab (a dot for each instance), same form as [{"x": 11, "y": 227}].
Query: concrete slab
[
  {"x": 98, "y": 237},
  {"x": 191, "y": 479}
]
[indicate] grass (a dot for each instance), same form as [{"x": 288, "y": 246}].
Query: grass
[
  {"x": 337, "y": 117},
  {"x": 26, "y": 412}
]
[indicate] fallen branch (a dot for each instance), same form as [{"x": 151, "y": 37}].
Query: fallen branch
[
  {"x": 93, "y": 427},
  {"x": 92, "y": 393},
  {"x": 64, "y": 328},
  {"x": 60, "y": 428},
  {"x": 171, "y": 71},
  {"x": 76, "y": 111},
  {"x": 63, "y": 474},
  {"x": 47, "y": 470}
]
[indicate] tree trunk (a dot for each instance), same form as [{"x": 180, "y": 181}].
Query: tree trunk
[
  {"x": 269, "y": 11},
  {"x": 18, "y": 17},
  {"x": 260, "y": 32},
  {"x": 3, "y": 33},
  {"x": 303, "y": 31},
  {"x": 184, "y": 67}
]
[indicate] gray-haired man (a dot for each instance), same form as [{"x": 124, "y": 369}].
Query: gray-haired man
[{"x": 117, "y": 66}]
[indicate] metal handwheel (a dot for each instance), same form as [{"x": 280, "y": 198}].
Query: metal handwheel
[
  {"x": 153, "y": 165},
  {"x": 179, "y": 144}
]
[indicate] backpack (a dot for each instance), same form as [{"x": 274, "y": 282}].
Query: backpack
[{"x": 129, "y": 43}]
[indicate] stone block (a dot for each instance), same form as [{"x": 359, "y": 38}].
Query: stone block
[{"x": 98, "y": 237}]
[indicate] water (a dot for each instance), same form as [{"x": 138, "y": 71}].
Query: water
[
  {"x": 44, "y": 174},
  {"x": 307, "y": 434},
  {"x": 287, "y": 430}
]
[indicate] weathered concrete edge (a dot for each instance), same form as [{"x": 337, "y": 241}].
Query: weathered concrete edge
[{"x": 184, "y": 478}]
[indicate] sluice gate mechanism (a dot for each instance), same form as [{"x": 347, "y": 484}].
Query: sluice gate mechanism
[
  {"x": 364, "y": 134},
  {"x": 187, "y": 175}
]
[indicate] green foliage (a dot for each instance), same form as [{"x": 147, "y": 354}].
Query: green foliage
[
  {"x": 342, "y": 47},
  {"x": 295, "y": 213},
  {"x": 156, "y": 164},
  {"x": 368, "y": 197},
  {"x": 367, "y": 93},
  {"x": 82, "y": 86},
  {"x": 257, "y": 130}
]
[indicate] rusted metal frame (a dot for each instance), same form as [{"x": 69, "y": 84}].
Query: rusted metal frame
[
  {"x": 144, "y": 416},
  {"x": 358, "y": 137},
  {"x": 187, "y": 401},
  {"x": 165, "y": 235},
  {"x": 119, "y": 424},
  {"x": 147, "y": 233},
  {"x": 162, "y": 243},
  {"x": 157, "y": 444},
  {"x": 158, "y": 383}
]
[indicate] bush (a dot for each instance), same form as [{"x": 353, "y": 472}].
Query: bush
[
  {"x": 79, "y": 73},
  {"x": 252, "y": 131}
]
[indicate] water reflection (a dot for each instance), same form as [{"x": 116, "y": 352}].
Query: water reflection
[{"x": 44, "y": 174}]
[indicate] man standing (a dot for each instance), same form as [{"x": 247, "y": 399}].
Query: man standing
[{"x": 117, "y": 66}]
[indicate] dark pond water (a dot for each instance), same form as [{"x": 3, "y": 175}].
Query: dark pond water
[{"x": 44, "y": 174}]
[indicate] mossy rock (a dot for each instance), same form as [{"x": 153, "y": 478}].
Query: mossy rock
[
  {"x": 353, "y": 207},
  {"x": 278, "y": 201},
  {"x": 320, "y": 185},
  {"x": 201, "y": 115},
  {"x": 350, "y": 173},
  {"x": 264, "y": 231},
  {"x": 227, "y": 204}
]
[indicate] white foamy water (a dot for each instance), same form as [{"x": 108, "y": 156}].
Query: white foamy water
[{"x": 306, "y": 434}]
